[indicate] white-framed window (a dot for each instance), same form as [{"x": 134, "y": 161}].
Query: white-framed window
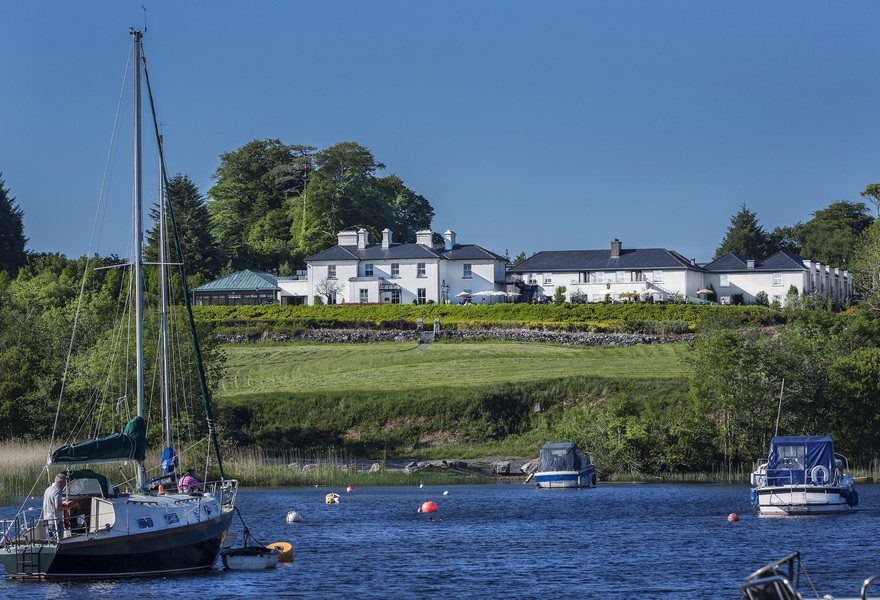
[
  {"x": 395, "y": 296},
  {"x": 597, "y": 297},
  {"x": 638, "y": 276},
  {"x": 725, "y": 280},
  {"x": 658, "y": 276},
  {"x": 620, "y": 276},
  {"x": 331, "y": 271},
  {"x": 422, "y": 294},
  {"x": 725, "y": 300},
  {"x": 368, "y": 269},
  {"x": 548, "y": 278},
  {"x": 395, "y": 269},
  {"x": 467, "y": 271},
  {"x": 365, "y": 296},
  {"x": 421, "y": 270},
  {"x": 599, "y": 277},
  {"x": 777, "y": 278},
  {"x": 533, "y": 279}
]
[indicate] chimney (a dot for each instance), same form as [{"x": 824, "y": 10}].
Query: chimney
[
  {"x": 363, "y": 238},
  {"x": 750, "y": 264},
  {"x": 386, "y": 238},
  {"x": 424, "y": 237},
  {"x": 347, "y": 238},
  {"x": 449, "y": 239},
  {"x": 615, "y": 248}
]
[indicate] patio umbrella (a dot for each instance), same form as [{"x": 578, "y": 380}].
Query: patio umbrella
[
  {"x": 704, "y": 291},
  {"x": 513, "y": 294},
  {"x": 463, "y": 295}
]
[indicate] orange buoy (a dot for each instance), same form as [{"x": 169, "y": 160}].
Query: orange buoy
[
  {"x": 285, "y": 551},
  {"x": 429, "y": 507},
  {"x": 349, "y": 489},
  {"x": 161, "y": 489},
  {"x": 732, "y": 517}
]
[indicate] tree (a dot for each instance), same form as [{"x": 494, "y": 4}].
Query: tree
[
  {"x": 830, "y": 236},
  {"x": 866, "y": 266},
  {"x": 256, "y": 181},
  {"x": 872, "y": 193},
  {"x": 329, "y": 288},
  {"x": 200, "y": 252},
  {"x": 12, "y": 240},
  {"x": 744, "y": 236},
  {"x": 344, "y": 192},
  {"x": 559, "y": 294}
]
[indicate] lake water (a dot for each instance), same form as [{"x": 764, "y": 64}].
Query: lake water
[{"x": 514, "y": 541}]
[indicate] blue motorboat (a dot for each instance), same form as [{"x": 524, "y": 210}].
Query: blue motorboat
[
  {"x": 803, "y": 475},
  {"x": 564, "y": 465}
]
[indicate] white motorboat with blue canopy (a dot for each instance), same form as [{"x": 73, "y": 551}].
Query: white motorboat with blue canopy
[
  {"x": 802, "y": 476},
  {"x": 564, "y": 465}
]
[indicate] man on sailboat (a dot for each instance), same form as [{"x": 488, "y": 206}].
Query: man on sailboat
[{"x": 54, "y": 506}]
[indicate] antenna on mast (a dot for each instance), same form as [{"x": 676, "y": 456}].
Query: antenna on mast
[
  {"x": 779, "y": 409},
  {"x": 145, "y": 17}
]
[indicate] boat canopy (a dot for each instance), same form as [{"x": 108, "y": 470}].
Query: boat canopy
[
  {"x": 565, "y": 456},
  {"x": 131, "y": 444},
  {"x": 793, "y": 457}
]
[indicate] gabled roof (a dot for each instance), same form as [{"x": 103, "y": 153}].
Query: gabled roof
[
  {"x": 376, "y": 253},
  {"x": 599, "y": 260},
  {"x": 246, "y": 280},
  {"x": 780, "y": 261}
]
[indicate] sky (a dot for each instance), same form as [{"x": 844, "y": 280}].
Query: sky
[{"x": 528, "y": 126}]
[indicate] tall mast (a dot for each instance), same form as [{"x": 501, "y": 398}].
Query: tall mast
[{"x": 138, "y": 240}]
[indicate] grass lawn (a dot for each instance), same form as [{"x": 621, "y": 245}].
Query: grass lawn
[{"x": 310, "y": 367}]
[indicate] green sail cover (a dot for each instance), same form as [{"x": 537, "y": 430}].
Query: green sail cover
[{"x": 129, "y": 445}]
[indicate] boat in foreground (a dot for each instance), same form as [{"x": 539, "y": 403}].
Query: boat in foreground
[
  {"x": 564, "y": 465},
  {"x": 802, "y": 476},
  {"x": 780, "y": 580},
  {"x": 108, "y": 533}
]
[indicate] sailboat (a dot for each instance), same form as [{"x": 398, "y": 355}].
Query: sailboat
[{"x": 113, "y": 533}]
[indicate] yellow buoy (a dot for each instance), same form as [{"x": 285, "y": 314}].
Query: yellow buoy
[{"x": 285, "y": 551}]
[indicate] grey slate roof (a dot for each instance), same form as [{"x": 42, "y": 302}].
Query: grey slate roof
[
  {"x": 599, "y": 260},
  {"x": 242, "y": 281},
  {"x": 376, "y": 253},
  {"x": 781, "y": 261}
]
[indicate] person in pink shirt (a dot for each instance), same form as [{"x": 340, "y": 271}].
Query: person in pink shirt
[{"x": 188, "y": 483}]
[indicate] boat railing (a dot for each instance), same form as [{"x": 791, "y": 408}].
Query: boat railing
[
  {"x": 23, "y": 530},
  {"x": 224, "y": 490},
  {"x": 779, "y": 580},
  {"x": 866, "y": 585}
]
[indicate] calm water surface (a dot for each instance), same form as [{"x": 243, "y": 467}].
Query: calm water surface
[{"x": 514, "y": 541}]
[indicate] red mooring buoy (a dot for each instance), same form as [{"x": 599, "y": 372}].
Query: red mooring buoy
[
  {"x": 732, "y": 517},
  {"x": 429, "y": 507},
  {"x": 349, "y": 489}
]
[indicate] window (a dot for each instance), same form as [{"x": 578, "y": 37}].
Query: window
[
  {"x": 420, "y": 270},
  {"x": 145, "y": 523},
  {"x": 533, "y": 279},
  {"x": 725, "y": 280},
  {"x": 597, "y": 297},
  {"x": 638, "y": 276},
  {"x": 658, "y": 276},
  {"x": 620, "y": 276},
  {"x": 777, "y": 278},
  {"x": 548, "y": 278},
  {"x": 368, "y": 270},
  {"x": 395, "y": 269},
  {"x": 331, "y": 271},
  {"x": 365, "y": 296},
  {"x": 466, "y": 271},
  {"x": 395, "y": 296},
  {"x": 422, "y": 295},
  {"x": 599, "y": 277},
  {"x": 171, "y": 518}
]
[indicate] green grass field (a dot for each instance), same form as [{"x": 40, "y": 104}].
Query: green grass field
[{"x": 334, "y": 368}]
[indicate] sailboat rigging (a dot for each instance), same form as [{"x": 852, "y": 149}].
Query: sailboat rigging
[{"x": 148, "y": 531}]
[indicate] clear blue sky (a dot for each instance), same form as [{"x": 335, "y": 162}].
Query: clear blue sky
[{"x": 528, "y": 125}]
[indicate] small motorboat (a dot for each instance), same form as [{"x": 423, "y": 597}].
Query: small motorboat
[
  {"x": 564, "y": 465},
  {"x": 249, "y": 558},
  {"x": 780, "y": 580},
  {"x": 803, "y": 476}
]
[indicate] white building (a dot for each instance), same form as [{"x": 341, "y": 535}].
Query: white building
[
  {"x": 356, "y": 271},
  {"x": 655, "y": 273}
]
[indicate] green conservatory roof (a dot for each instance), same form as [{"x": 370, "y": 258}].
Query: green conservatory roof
[{"x": 242, "y": 281}]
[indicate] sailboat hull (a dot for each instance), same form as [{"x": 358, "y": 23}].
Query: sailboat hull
[{"x": 172, "y": 549}]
